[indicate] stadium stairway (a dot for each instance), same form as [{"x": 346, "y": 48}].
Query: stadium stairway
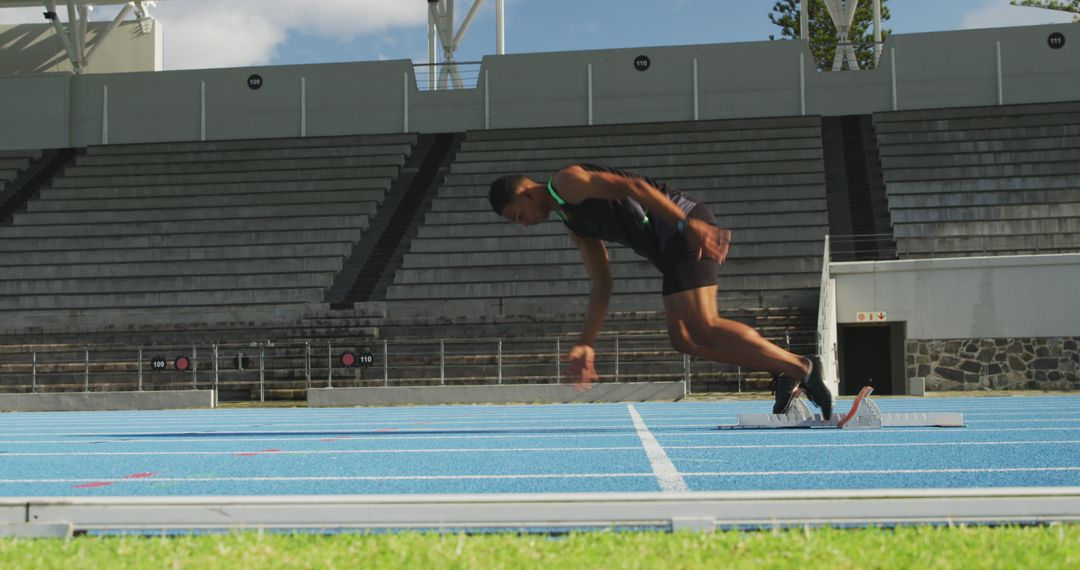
[{"x": 983, "y": 180}]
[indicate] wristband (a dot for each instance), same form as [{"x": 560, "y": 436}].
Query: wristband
[{"x": 680, "y": 226}]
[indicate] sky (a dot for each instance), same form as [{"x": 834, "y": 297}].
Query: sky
[{"x": 201, "y": 34}]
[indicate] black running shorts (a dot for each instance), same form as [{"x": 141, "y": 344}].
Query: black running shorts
[{"x": 681, "y": 268}]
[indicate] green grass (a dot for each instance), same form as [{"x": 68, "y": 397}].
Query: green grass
[{"x": 936, "y": 548}]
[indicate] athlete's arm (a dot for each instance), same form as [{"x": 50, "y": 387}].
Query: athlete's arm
[{"x": 595, "y": 256}]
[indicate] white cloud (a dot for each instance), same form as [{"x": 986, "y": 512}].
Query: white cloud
[
  {"x": 999, "y": 13},
  {"x": 219, "y": 33}
]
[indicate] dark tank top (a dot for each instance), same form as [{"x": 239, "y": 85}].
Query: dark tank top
[{"x": 623, "y": 221}]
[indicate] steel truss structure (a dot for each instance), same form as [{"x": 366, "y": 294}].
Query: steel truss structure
[{"x": 73, "y": 36}]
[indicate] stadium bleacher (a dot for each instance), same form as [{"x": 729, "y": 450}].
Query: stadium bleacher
[
  {"x": 12, "y": 162},
  {"x": 983, "y": 180},
  {"x": 193, "y": 226}
]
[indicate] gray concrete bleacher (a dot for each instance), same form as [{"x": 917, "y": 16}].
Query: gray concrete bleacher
[
  {"x": 764, "y": 178},
  {"x": 195, "y": 226},
  {"x": 14, "y": 161},
  {"x": 984, "y": 180}
]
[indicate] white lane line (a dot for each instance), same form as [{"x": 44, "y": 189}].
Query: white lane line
[
  {"x": 666, "y": 473},
  {"x": 522, "y": 449},
  {"x": 829, "y": 472}
]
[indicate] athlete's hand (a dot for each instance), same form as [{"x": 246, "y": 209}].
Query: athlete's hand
[
  {"x": 709, "y": 240},
  {"x": 582, "y": 366}
]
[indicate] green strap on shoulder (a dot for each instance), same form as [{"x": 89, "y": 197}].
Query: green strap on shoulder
[
  {"x": 558, "y": 200},
  {"x": 554, "y": 194}
]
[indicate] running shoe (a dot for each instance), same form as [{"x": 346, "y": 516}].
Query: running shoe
[
  {"x": 816, "y": 390},
  {"x": 786, "y": 390}
]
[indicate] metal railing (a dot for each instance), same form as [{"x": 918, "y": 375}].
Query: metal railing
[
  {"x": 271, "y": 369},
  {"x": 444, "y": 76},
  {"x": 862, "y": 247}
]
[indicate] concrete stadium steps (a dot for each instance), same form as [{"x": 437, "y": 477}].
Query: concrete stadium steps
[
  {"x": 12, "y": 162},
  {"x": 183, "y": 230},
  {"x": 1005, "y": 184},
  {"x": 199, "y": 246},
  {"x": 166, "y": 298},
  {"x": 968, "y": 213},
  {"x": 217, "y": 266},
  {"x": 225, "y": 177},
  {"x": 1051, "y": 143},
  {"x": 694, "y": 161},
  {"x": 983, "y": 181},
  {"x": 223, "y": 224},
  {"x": 80, "y": 171},
  {"x": 180, "y": 157},
  {"x": 254, "y": 144},
  {"x": 1015, "y": 228},
  {"x": 237, "y": 211},
  {"x": 182, "y": 279},
  {"x": 330, "y": 197},
  {"x": 935, "y": 159},
  {"x": 989, "y": 198},
  {"x": 631, "y": 147},
  {"x": 267, "y": 189}
]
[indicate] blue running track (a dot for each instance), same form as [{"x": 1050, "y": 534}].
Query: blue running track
[{"x": 1008, "y": 442}]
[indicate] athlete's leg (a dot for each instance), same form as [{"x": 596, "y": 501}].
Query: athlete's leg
[{"x": 695, "y": 318}]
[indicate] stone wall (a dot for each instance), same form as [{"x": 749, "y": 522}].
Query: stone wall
[{"x": 996, "y": 363}]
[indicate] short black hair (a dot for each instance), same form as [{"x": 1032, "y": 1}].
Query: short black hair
[{"x": 502, "y": 191}]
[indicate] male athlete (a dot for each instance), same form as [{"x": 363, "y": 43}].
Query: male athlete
[{"x": 681, "y": 238}]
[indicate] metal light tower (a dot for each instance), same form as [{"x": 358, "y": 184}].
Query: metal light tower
[
  {"x": 842, "y": 13},
  {"x": 441, "y": 26}
]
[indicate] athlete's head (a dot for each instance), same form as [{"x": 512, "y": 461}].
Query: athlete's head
[{"x": 519, "y": 199}]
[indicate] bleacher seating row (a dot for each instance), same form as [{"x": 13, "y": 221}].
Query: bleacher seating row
[
  {"x": 984, "y": 180},
  {"x": 196, "y": 224},
  {"x": 12, "y": 162}
]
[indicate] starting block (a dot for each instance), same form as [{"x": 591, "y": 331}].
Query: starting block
[{"x": 864, "y": 414}]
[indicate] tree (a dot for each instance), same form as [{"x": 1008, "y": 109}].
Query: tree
[
  {"x": 1072, "y": 6},
  {"x": 823, "y": 34}
]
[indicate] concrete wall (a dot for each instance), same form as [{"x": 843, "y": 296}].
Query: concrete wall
[
  {"x": 756, "y": 79},
  {"x": 35, "y": 48},
  {"x": 979, "y": 297}
]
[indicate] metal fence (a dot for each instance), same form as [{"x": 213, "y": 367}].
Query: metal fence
[
  {"x": 270, "y": 369},
  {"x": 443, "y": 76}
]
